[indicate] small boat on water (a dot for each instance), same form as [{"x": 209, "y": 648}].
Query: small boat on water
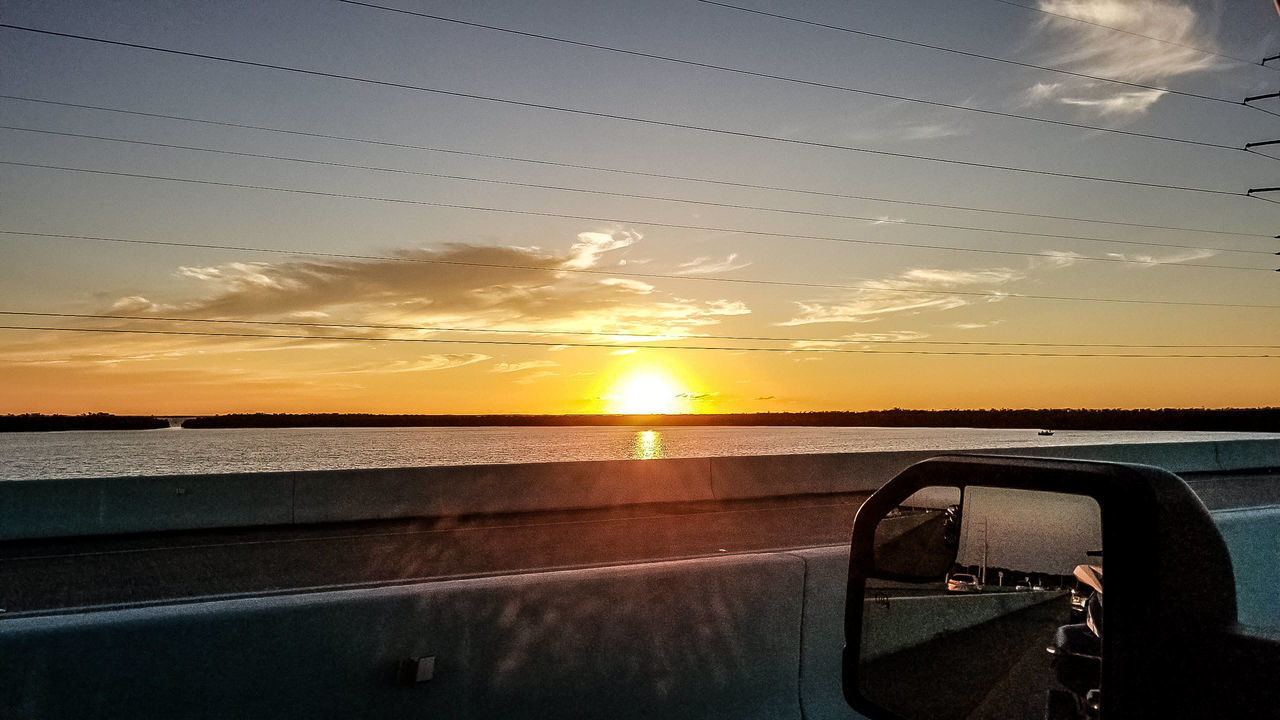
[{"x": 1046, "y": 433}]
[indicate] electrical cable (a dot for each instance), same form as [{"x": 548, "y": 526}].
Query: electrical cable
[
  {"x": 620, "y": 346},
  {"x": 964, "y": 53},
  {"x": 1252, "y": 63},
  {"x": 626, "y": 221},
  {"x": 636, "y": 173},
  {"x": 628, "y": 118},
  {"x": 615, "y": 333},
  {"x": 639, "y": 275},
  {"x": 634, "y": 196},
  {"x": 784, "y": 78}
]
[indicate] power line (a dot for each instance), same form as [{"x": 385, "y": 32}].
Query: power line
[
  {"x": 634, "y": 196},
  {"x": 788, "y": 79},
  {"x": 637, "y": 173},
  {"x": 1201, "y": 50},
  {"x": 615, "y": 333},
  {"x": 630, "y": 118},
  {"x": 617, "y": 346},
  {"x": 964, "y": 53},
  {"x": 627, "y": 221},
  {"x": 639, "y": 275}
]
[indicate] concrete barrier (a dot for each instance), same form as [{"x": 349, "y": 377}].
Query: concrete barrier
[
  {"x": 897, "y": 623},
  {"x": 692, "y": 639},
  {"x": 336, "y": 495},
  {"x": 94, "y": 506},
  {"x": 54, "y": 508}
]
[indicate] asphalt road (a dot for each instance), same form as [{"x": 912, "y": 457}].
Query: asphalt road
[{"x": 51, "y": 575}]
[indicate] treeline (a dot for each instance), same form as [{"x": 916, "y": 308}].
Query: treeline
[
  {"x": 1238, "y": 420},
  {"x": 32, "y": 422}
]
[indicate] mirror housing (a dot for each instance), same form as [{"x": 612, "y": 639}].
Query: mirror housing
[{"x": 1170, "y": 593}]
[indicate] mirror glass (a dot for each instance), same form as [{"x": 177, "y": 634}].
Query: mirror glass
[
  {"x": 1011, "y": 626},
  {"x": 918, "y": 540}
]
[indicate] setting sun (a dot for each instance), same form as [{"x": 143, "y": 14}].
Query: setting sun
[{"x": 647, "y": 394}]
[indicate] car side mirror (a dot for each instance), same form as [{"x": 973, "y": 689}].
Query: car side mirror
[{"x": 975, "y": 591}]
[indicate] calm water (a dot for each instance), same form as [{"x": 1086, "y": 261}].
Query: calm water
[{"x": 26, "y": 456}]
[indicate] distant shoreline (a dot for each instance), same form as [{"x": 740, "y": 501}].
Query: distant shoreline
[{"x": 1173, "y": 419}]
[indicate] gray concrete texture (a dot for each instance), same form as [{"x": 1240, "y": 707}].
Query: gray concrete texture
[
  {"x": 897, "y": 623},
  {"x": 690, "y": 639},
  {"x": 97, "y": 506}
]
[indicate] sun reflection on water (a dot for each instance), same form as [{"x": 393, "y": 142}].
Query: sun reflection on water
[{"x": 648, "y": 445}]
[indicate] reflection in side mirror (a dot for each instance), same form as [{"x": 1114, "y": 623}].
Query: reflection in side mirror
[
  {"x": 961, "y": 630},
  {"x": 918, "y": 540}
]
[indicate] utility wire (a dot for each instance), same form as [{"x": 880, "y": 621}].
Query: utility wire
[
  {"x": 628, "y": 118},
  {"x": 639, "y": 275},
  {"x": 636, "y": 173},
  {"x": 616, "y": 333},
  {"x": 1175, "y": 43},
  {"x": 627, "y": 221},
  {"x": 618, "y": 346},
  {"x": 787, "y": 79},
  {"x": 964, "y": 53},
  {"x": 634, "y": 196}
]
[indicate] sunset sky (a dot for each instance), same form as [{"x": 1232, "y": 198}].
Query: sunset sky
[{"x": 508, "y": 223}]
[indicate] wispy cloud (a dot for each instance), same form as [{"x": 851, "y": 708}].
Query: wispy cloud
[
  {"x": 706, "y": 265},
  {"x": 505, "y": 367},
  {"x": 1105, "y": 53},
  {"x": 914, "y": 291},
  {"x": 1152, "y": 260}
]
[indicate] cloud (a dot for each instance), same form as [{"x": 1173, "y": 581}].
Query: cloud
[
  {"x": 1105, "y": 53},
  {"x": 705, "y": 265},
  {"x": 457, "y": 285},
  {"x": 134, "y": 304},
  {"x": 426, "y": 363},
  {"x": 914, "y": 291},
  {"x": 504, "y": 367},
  {"x": 591, "y": 245},
  {"x": 975, "y": 325},
  {"x": 1151, "y": 260},
  {"x": 865, "y": 339},
  {"x": 534, "y": 377}
]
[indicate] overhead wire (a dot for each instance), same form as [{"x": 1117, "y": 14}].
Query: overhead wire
[
  {"x": 629, "y": 118},
  {"x": 788, "y": 79},
  {"x": 1214, "y": 53},
  {"x": 625, "y": 346},
  {"x": 1057, "y": 257},
  {"x": 631, "y": 172},
  {"x": 634, "y": 196},
  {"x": 965, "y": 53},
  {"x": 877, "y": 287},
  {"x": 622, "y": 333}
]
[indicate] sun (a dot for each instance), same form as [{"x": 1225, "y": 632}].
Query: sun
[{"x": 647, "y": 392}]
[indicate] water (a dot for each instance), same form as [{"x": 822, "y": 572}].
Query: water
[{"x": 27, "y": 456}]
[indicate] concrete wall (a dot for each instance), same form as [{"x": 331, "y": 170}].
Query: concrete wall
[
  {"x": 692, "y": 639},
  {"x": 94, "y": 506},
  {"x": 897, "y": 623}
]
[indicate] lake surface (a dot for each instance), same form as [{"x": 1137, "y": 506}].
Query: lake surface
[{"x": 27, "y": 456}]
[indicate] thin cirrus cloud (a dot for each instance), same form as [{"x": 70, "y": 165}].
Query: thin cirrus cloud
[
  {"x": 895, "y": 296},
  {"x": 706, "y": 265},
  {"x": 1106, "y": 53}
]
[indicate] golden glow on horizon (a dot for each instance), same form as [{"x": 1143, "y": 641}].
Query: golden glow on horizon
[{"x": 646, "y": 393}]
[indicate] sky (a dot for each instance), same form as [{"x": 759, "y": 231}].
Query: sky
[{"x": 668, "y": 206}]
